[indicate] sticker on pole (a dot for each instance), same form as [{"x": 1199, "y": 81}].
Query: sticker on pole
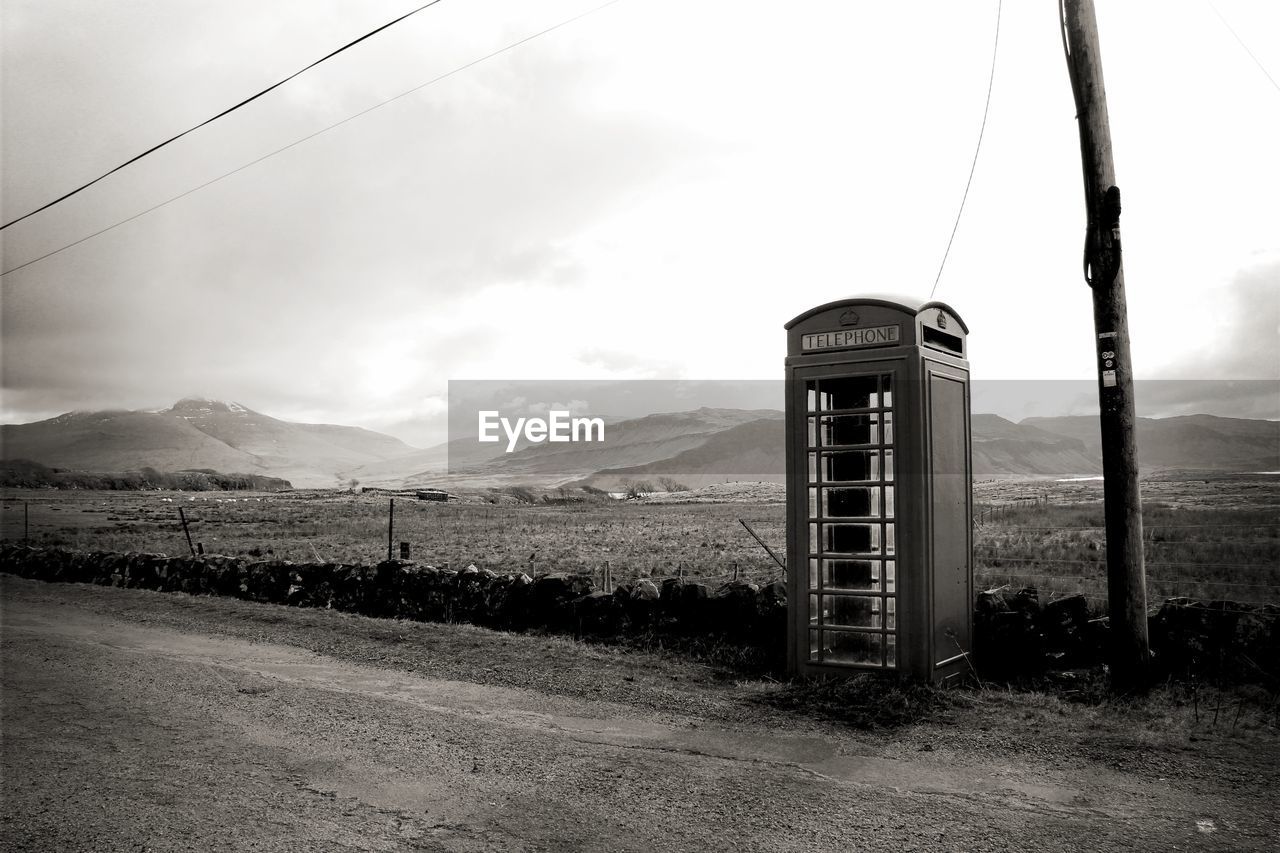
[{"x": 1107, "y": 358}]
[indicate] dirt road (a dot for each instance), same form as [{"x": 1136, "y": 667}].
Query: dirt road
[{"x": 139, "y": 721}]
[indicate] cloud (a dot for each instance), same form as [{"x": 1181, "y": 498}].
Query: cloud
[
  {"x": 315, "y": 281},
  {"x": 606, "y": 202},
  {"x": 1233, "y": 333},
  {"x": 1016, "y": 399},
  {"x": 625, "y": 364}
]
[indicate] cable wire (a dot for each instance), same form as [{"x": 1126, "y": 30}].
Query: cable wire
[
  {"x": 228, "y": 110},
  {"x": 1233, "y": 32},
  {"x": 995, "y": 47},
  {"x": 322, "y": 130}
]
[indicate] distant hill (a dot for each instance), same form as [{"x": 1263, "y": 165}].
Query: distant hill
[
  {"x": 751, "y": 451},
  {"x": 197, "y": 433},
  {"x": 1002, "y": 448},
  {"x": 696, "y": 448},
  {"x": 1036, "y": 447},
  {"x": 358, "y": 440},
  {"x": 637, "y": 441},
  {"x": 313, "y": 454},
  {"x": 1205, "y": 442},
  {"x": 25, "y": 474},
  {"x": 755, "y": 451},
  {"x": 121, "y": 441}
]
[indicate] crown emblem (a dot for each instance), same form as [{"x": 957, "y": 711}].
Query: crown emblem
[
  {"x": 849, "y": 318},
  {"x": 942, "y": 320}
]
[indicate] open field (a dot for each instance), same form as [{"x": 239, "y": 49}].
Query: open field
[
  {"x": 637, "y": 539},
  {"x": 1208, "y": 538}
]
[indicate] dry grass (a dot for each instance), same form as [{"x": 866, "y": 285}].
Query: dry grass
[
  {"x": 864, "y": 701},
  {"x": 638, "y": 539},
  {"x": 1207, "y": 539},
  {"x": 1197, "y": 545},
  {"x": 1167, "y": 716}
]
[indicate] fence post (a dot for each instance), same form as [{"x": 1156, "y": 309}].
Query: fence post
[
  {"x": 182, "y": 515},
  {"x": 782, "y": 565},
  {"x": 391, "y": 524}
]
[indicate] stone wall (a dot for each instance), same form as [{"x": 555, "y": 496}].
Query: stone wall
[
  {"x": 751, "y": 616},
  {"x": 1015, "y": 634}
]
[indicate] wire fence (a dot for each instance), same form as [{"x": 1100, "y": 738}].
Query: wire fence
[
  {"x": 1229, "y": 563},
  {"x": 698, "y": 543}
]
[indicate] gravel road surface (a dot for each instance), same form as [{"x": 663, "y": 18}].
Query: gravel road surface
[{"x": 136, "y": 721}]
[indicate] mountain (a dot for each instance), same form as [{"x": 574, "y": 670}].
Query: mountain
[
  {"x": 750, "y": 451},
  {"x": 1035, "y": 447},
  {"x": 121, "y": 441},
  {"x": 199, "y": 433},
  {"x": 1205, "y": 442},
  {"x": 755, "y": 451},
  {"x": 359, "y": 440},
  {"x": 695, "y": 447},
  {"x": 303, "y": 453},
  {"x": 636, "y": 441},
  {"x": 1002, "y": 448}
]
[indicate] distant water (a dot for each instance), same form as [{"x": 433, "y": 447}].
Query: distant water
[{"x": 1094, "y": 479}]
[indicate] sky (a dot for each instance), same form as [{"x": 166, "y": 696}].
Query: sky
[{"x": 648, "y": 192}]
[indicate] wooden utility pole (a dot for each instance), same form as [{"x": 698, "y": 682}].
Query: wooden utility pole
[{"x": 1103, "y": 270}]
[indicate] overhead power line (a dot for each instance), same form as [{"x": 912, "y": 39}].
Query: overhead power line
[
  {"x": 995, "y": 47},
  {"x": 1233, "y": 32},
  {"x": 212, "y": 119},
  {"x": 323, "y": 130}
]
